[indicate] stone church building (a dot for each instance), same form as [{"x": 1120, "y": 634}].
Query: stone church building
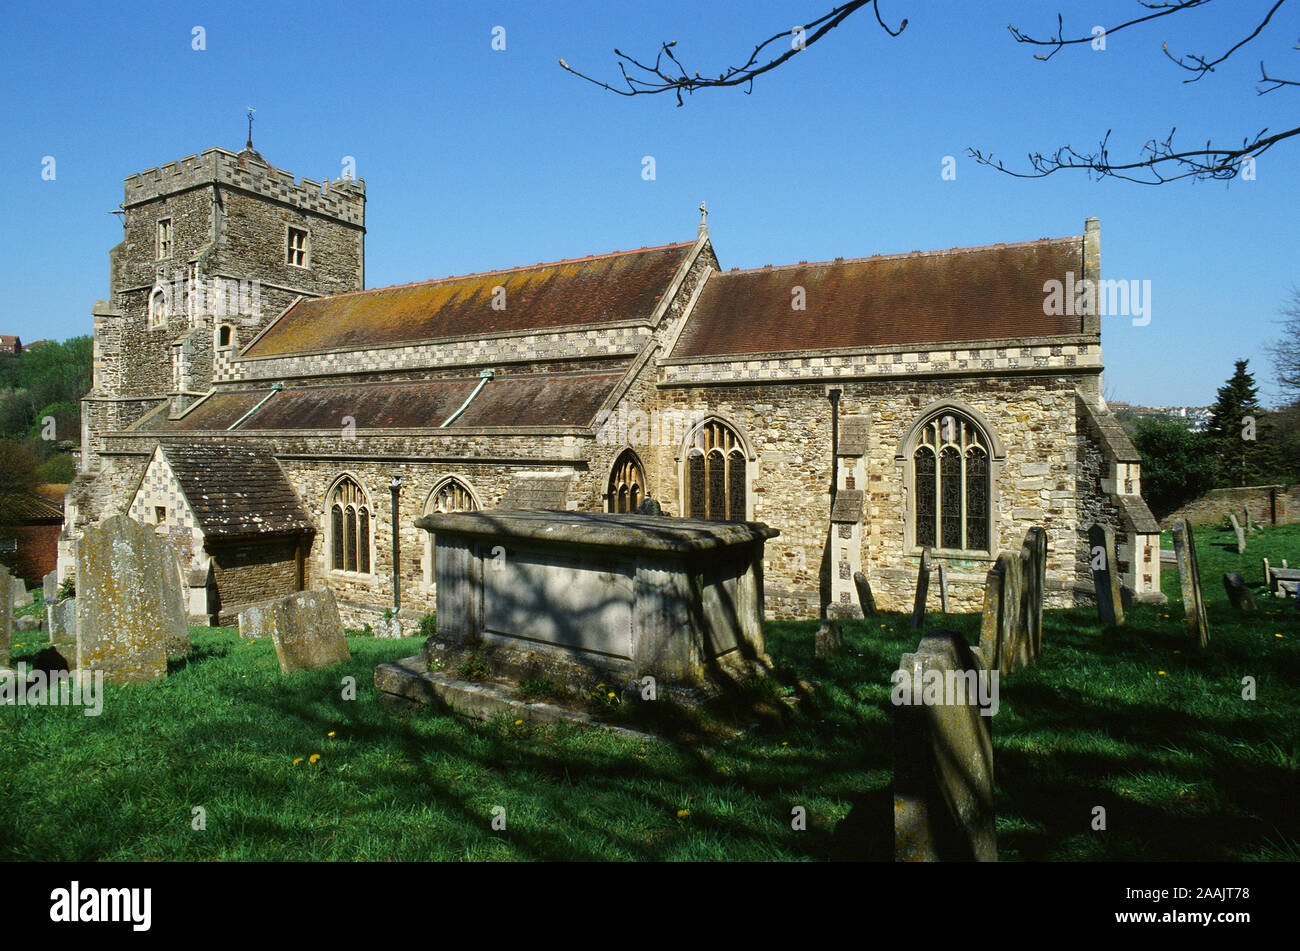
[{"x": 284, "y": 426}]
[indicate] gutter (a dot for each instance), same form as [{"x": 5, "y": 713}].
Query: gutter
[
  {"x": 484, "y": 376},
  {"x": 275, "y": 388}
]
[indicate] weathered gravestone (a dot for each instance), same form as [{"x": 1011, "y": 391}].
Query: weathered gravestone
[
  {"x": 305, "y": 628},
  {"x": 1033, "y": 563},
  {"x": 865, "y": 599},
  {"x": 1239, "y": 593},
  {"x": 61, "y": 619},
  {"x": 130, "y": 611},
  {"x": 828, "y": 638},
  {"x": 943, "y": 756},
  {"x": 28, "y": 622},
  {"x": 943, "y": 588},
  {"x": 1189, "y": 577},
  {"x": 1241, "y": 534},
  {"x": 1250, "y": 524},
  {"x": 922, "y": 590},
  {"x": 649, "y": 507},
  {"x": 50, "y": 586},
  {"x": 6, "y": 618},
  {"x": 1106, "y": 581},
  {"x": 21, "y": 597},
  {"x": 1004, "y": 638}
]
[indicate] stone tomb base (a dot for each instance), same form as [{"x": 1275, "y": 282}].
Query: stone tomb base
[{"x": 581, "y": 597}]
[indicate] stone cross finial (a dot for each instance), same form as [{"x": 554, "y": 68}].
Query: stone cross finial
[{"x": 704, "y": 214}]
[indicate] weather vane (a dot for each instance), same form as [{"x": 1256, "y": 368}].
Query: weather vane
[{"x": 251, "y": 110}]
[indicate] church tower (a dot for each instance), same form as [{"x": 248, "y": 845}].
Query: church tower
[{"x": 214, "y": 247}]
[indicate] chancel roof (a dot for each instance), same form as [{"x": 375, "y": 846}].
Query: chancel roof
[{"x": 965, "y": 294}]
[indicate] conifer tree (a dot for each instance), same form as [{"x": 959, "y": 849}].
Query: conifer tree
[{"x": 1239, "y": 432}]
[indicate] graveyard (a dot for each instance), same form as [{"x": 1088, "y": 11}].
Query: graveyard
[{"x": 236, "y": 755}]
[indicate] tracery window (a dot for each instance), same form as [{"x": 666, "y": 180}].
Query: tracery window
[
  {"x": 716, "y": 474},
  {"x": 350, "y": 545},
  {"x": 626, "y": 483},
  {"x": 951, "y": 484}
]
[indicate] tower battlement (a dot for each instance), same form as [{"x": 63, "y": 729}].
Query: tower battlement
[{"x": 340, "y": 198}]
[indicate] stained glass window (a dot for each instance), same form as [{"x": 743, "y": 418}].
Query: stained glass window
[
  {"x": 349, "y": 528},
  {"x": 951, "y": 485},
  {"x": 336, "y": 537},
  {"x": 717, "y": 474},
  {"x": 717, "y": 485},
  {"x": 736, "y": 486},
  {"x": 695, "y": 484},
  {"x": 925, "y": 497}
]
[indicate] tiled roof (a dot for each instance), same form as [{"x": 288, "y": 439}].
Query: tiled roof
[
  {"x": 236, "y": 491},
  {"x": 626, "y": 285},
  {"x": 970, "y": 294},
  {"x": 548, "y": 399},
  {"x": 30, "y": 507}
]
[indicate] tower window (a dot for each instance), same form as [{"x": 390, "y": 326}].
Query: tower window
[
  {"x": 164, "y": 238},
  {"x": 223, "y": 336},
  {"x": 297, "y": 247},
  {"x": 157, "y": 309}
]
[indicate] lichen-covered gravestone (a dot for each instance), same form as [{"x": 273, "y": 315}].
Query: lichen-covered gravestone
[
  {"x": 943, "y": 756},
  {"x": 130, "y": 611},
  {"x": 6, "y": 617},
  {"x": 1189, "y": 577},
  {"x": 50, "y": 586},
  {"x": 21, "y": 596},
  {"x": 305, "y": 628}
]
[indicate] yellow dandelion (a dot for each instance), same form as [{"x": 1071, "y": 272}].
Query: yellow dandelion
[
  {"x": 1277, "y": 635},
  {"x": 297, "y": 761},
  {"x": 519, "y": 723},
  {"x": 330, "y": 733},
  {"x": 611, "y": 695},
  {"x": 683, "y": 813},
  {"x": 599, "y": 686},
  {"x": 314, "y": 758},
  {"x": 785, "y": 743},
  {"x": 1160, "y": 672}
]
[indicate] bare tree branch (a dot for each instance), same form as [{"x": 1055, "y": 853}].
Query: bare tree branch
[
  {"x": 1200, "y": 66},
  {"x": 1162, "y": 9},
  {"x": 653, "y": 78}
]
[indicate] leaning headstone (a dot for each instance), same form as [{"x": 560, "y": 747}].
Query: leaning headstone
[
  {"x": 389, "y": 627},
  {"x": 828, "y": 638},
  {"x": 1269, "y": 580},
  {"x": 1033, "y": 556},
  {"x": 922, "y": 590},
  {"x": 1106, "y": 581},
  {"x": 1241, "y": 534},
  {"x": 943, "y": 756},
  {"x": 1189, "y": 577},
  {"x": 865, "y": 599},
  {"x": 943, "y": 588},
  {"x": 1239, "y": 593},
  {"x": 50, "y": 586},
  {"x": 991, "y": 619},
  {"x": 1013, "y": 650},
  {"x": 306, "y": 630},
  {"x": 130, "y": 611},
  {"x": 61, "y": 620},
  {"x": 6, "y": 618},
  {"x": 22, "y": 597},
  {"x": 1247, "y": 521}
]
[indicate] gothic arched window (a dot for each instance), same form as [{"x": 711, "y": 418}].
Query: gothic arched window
[
  {"x": 626, "y": 483},
  {"x": 951, "y": 487},
  {"x": 157, "y": 309},
  {"x": 716, "y": 474},
  {"x": 350, "y": 544}
]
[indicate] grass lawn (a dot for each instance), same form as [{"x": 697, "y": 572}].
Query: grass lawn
[{"x": 1133, "y": 720}]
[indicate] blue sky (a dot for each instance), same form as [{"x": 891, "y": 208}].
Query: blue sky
[{"x": 477, "y": 159}]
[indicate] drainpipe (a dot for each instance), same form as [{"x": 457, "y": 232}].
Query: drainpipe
[
  {"x": 396, "y": 487},
  {"x": 275, "y": 388},
  {"x": 484, "y": 376}
]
